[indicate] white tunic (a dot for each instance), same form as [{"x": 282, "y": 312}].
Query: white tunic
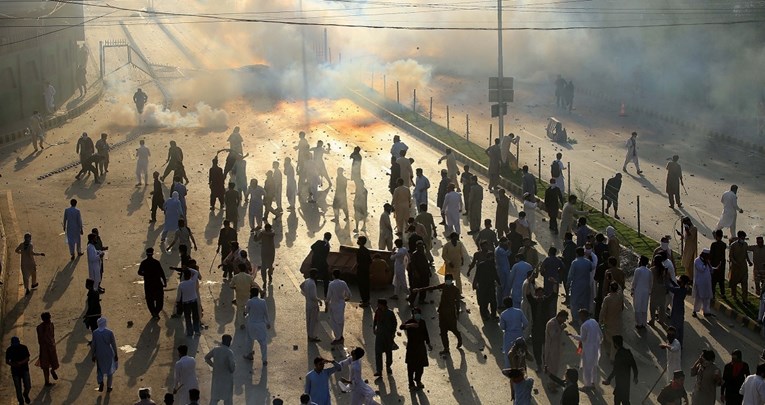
[
  {"x": 400, "y": 259},
  {"x": 452, "y": 207},
  {"x": 257, "y": 319},
  {"x": 337, "y": 293},
  {"x": 674, "y": 359},
  {"x": 94, "y": 265},
  {"x": 361, "y": 392},
  {"x": 729, "y": 201},
  {"x": 641, "y": 289},
  {"x": 185, "y": 378},
  {"x": 221, "y": 359},
  {"x": 591, "y": 338}
]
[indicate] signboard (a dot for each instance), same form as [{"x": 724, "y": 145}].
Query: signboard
[
  {"x": 507, "y": 83},
  {"x": 507, "y": 95},
  {"x": 495, "y": 110}
]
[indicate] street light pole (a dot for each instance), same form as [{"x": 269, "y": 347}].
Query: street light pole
[{"x": 501, "y": 126}]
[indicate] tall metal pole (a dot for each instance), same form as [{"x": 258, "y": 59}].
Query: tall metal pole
[{"x": 501, "y": 126}]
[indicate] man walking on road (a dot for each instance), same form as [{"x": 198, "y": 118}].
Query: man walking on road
[
  {"x": 448, "y": 311},
  {"x": 452, "y": 208},
  {"x": 611, "y": 195},
  {"x": 154, "y": 283},
  {"x": 85, "y": 149},
  {"x": 46, "y": 337},
  {"x": 476, "y": 203},
  {"x": 320, "y": 253},
  {"x": 385, "y": 325},
  {"x": 337, "y": 294},
  {"x": 556, "y": 171},
  {"x": 632, "y": 154},
  {"x": 758, "y": 260},
  {"x": 185, "y": 375},
  {"x": 674, "y": 181},
  {"x": 553, "y": 203},
  {"x": 157, "y": 198},
  {"x": 624, "y": 362},
  {"x": 495, "y": 162},
  {"x": 221, "y": 359},
  {"x": 17, "y": 356},
  {"x": 312, "y": 304},
  {"x": 258, "y": 324},
  {"x": 590, "y": 340},
  {"x": 731, "y": 210},
  {"x": 738, "y": 254},
  {"x": 215, "y": 181},
  {"x": 421, "y": 186},
  {"x": 104, "y": 354},
  {"x": 702, "y": 284},
  {"x": 529, "y": 182},
  {"x": 73, "y": 228},
  {"x": 142, "y": 163}
]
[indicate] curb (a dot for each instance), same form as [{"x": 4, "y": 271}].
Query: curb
[
  {"x": 58, "y": 120},
  {"x": 744, "y": 320}
]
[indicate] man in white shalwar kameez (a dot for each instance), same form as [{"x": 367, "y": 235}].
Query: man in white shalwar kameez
[
  {"x": 337, "y": 294},
  {"x": 641, "y": 290},
  {"x": 702, "y": 283},
  {"x": 94, "y": 262},
  {"x": 590, "y": 339},
  {"x": 173, "y": 212},
  {"x": 731, "y": 210},
  {"x": 185, "y": 375},
  {"x": 421, "y": 186},
  {"x": 73, "y": 228},
  {"x": 400, "y": 259},
  {"x": 674, "y": 353},
  {"x": 312, "y": 303},
  {"x": 361, "y": 392},
  {"x": 452, "y": 208},
  {"x": 258, "y": 323},
  {"x": 142, "y": 163},
  {"x": 221, "y": 359}
]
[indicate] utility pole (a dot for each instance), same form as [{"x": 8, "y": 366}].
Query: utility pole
[{"x": 501, "y": 125}]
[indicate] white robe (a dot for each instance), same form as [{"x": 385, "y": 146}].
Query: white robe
[
  {"x": 185, "y": 378},
  {"x": 400, "y": 259},
  {"x": 337, "y": 293},
  {"x": 591, "y": 338},
  {"x": 674, "y": 359},
  {"x": 641, "y": 288},
  {"x": 221, "y": 359},
  {"x": 421, "y": 186},
  {"x": 94, "y": 265},
  {"x": 308, "y": 289},
  {"x": 452, "y": 207},
  {"x": 729, "y": 201},
  {"x": 361, "y": 392}
]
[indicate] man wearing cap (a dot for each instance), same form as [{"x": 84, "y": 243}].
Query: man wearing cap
[
  {"x": 589, "y": 339},
  {"x": 154, "y": 283},
  {"x": 674, "y": 181},
  {"x": 758, "y": 260},
  {"x": 674, "y": 392},
  {"x": 702, "y": 284},
  {"x": 731, "y": 210},
  {"x": 221, "y": 359},
  {"x": 738, "y": 253}
]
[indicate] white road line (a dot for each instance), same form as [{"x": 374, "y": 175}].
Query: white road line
[
  {"x": 325, "y": 326},
  {"x": 292, "y": 277}
]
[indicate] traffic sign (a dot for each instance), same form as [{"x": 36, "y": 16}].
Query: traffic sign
[
  {"x": 507, "y": 83},
  {"x": 495, "y": 110},
  {"x": 507, "y": 95}
]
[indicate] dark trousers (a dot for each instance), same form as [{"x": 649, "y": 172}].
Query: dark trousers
[
  {"x": 718, "y": 282},
  {"x": 445, "y": 328},
  {"x": 155, "y": 300},
  {"x": 216, "y": 196},
  {"x": 362, "y": 277},
  {"x": 674, "y": 198},
  {"x": 191, "y": 314},
  {"x": 553, "y": 214},
  {"x": 414, "y": 373},
  {"x": 324, "y": 277},
  {"x": 154, "y": 205},
  {"x": 622, "y": 395},
  {"x": 487, "y": 303},
  {"x": 537, "y": 343},
  {"x": 380, "y": 348},
  {"x": 18, "y": 380}
]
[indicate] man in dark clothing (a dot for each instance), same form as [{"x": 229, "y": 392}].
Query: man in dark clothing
[
  {"x": 140, "y": 98},
  {"x": 216, "y": 182},
  {"x": 485, "y": 284},
  {"x": 418, "y": 338},
  {"x": 363, "y": 262},
  {"x": 717, "y": 259},
  {"x": 553, "y": 202},
  {"x": 175, "y": 162},
  {"x": 231, "y": 200},
  {"x": 395, "y": 174},
  {"x": 320, "y": 252},
  {"x": 569, "y": 255},
  {"x": 503, "y": 211},
  {"x": 674, "y": 392},
  {"x": 623, "y": 363},
  {"x": 419, "y": 271},
  {"x": 571, "y": 391},
  {"x": 157, "y": 198},
  {"x": 613, "y": 185},
  {"x": 540, "y": 306},
  {"x": 90, "y": 164},
  {"x": 93, "y": 311},
  {"x": 226, "y": 236},
  {"x": 551, "y": 270},
  {"x": 448, "y": 311},
  {"x": 154, "y": 282},
  {"x": 17, "y": 356},
  {"x": 529, "y": 182},
  {"x": 385, "y": 331},
  {"x": 516, "y": 241},
  {"x": 85, "y": 148},
  {"x": 443, "y": 187},
  {"x": 733, "y": 377}
]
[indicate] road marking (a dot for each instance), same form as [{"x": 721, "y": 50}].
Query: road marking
[
  {"x": 325, "y": 326},
  {"x": 292, "y": 277}
]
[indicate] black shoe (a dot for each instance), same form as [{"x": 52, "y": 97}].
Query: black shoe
[
  {"x": 377, "y": 374},
  {"x": 100, "y": 387},
  {"x": 26, "y": 399},
  {"x": 53, "y": 374},
  {"x": 389, "y": 371}
]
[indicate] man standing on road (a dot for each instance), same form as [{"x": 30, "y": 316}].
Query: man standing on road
[
  {"x": 529, "y": 182},
  {"x": 312, "y": 304},
  {"x": 553, "y": 202},
  {"x": 154, "y": 283},
  {"x": 513, "y": 324},
  {"x": 94, "y": 262},
  {"x": 641, "y": 290},
  {"x": 758, "y": 260},
  {"x": 674, "y": 392},
  {"x": 17, "y": 356},
  {"x": 46, "y": 337},
  {"x": 452, "y": 253},
  {"x": 215, "y": 181},
  {"x": 142, "y": 163},
  {"x": 337, "y": 294},
  {"x": 103, "y": 148},
  {"x": 568, "y": 214},
  {"x": 702, "y": 284},
  {"x": 231, "y": 200},
  {"x": 707, "y": 379},
  {"x": 613, "y": 186},
  {"x": 718, "y": 262},
  {"x": 734, "y": 374},
  {"x": 384, "y": 327},
  {"x": 632, "y": 154},
  {"x": 397, "y": 147},
  {"x": 317, "y": 380},
  {"x": 185, "y": 375},
  {"x": 495, "y": 162},
  {"x": 579, "y": 279},
  {"x": 503, "y": 211},
  {"x": 85, "y": 149},
  {"x": 553, "y": 342},
  {"x": 476, "y": 203},
  {"x": 674, "y": 181},
  {"x": 624, "y": 362},
  {"x": 731, "y": 210},
  {"x": 258, "y": 324},
  {"x": 443, "y": 188},
  {"x": 753, "y": 388},
  {"x": 611, "y": 318},
  {"x": 451, "y": 167},
  {"x": 104, "y": 354},
  {"x": 363, "y": 262},
  {"x": 421, "y": 186},
  {"x": 37, "y": 132},
  {"x": 385, "y": 239},
  {"x": 221, "y": 359},
  {"x": 590, "y": 341},
  {"x": 448, "y": 311},
  {"x": 360, "y": 210},
  {"x": 738, "y": 254},
  {"x": 157, "y": 198},
  {"x": 235, "y": 141},
  {"x": 452, "y": 208},
  {"x": 402, "y": 205},
  {"x": 556, "y": 171},
  {"x": 174, "y": 161},
  {"x": 320, "y": 253},
  {"x": 188, "y": 298},
  {"x": 140, "y": 98}
]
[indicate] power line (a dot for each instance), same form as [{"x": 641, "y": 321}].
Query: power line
[{"x": 55, "y": 31}]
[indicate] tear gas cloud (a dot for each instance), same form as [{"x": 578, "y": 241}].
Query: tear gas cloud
[{"x": 715, "y": 66}]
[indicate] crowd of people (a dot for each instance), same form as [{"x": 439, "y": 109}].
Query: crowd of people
[{"x": 514, "y": 286}]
